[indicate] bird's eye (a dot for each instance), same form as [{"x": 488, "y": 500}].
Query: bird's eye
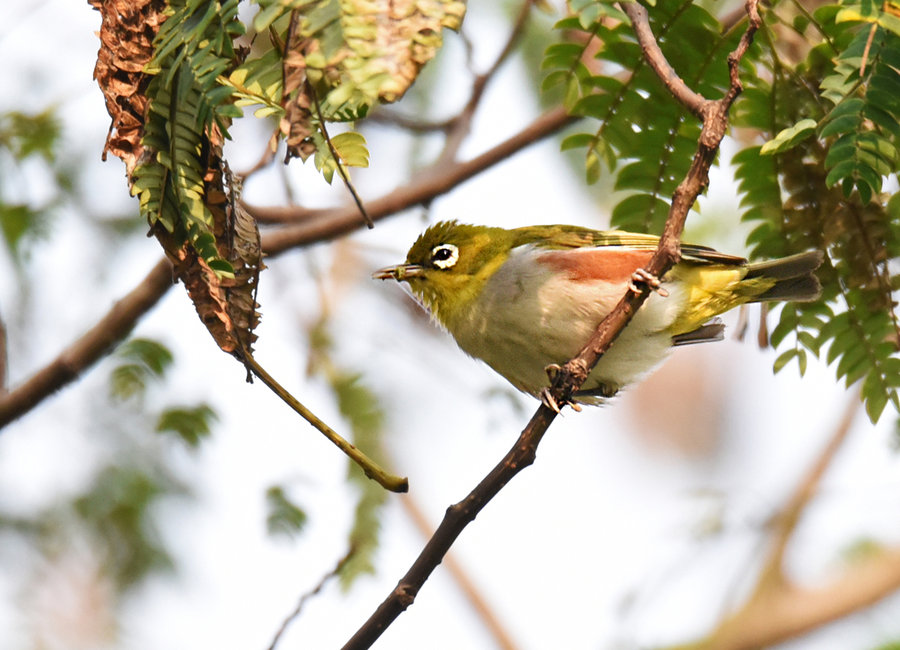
[{"x": 444, "y": 256}]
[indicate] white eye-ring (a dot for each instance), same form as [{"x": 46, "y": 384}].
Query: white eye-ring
[{"x": 444, "y": 256}]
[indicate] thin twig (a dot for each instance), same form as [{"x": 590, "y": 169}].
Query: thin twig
[
  {"x": 337, "y": 158},
  {"x": 786, "y": 521},
  {"x": 462, "y": 123},
  {"x": 430, "y": 183},
  {"x": 575, "y": 372},
  {"x": 328, "y": 577},
  {"x": 368, "y": 466}
]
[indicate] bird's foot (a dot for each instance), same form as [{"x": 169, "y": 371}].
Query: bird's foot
[
  {"x": 642, "y": 276},
  {"x": 546, "y": 396}
]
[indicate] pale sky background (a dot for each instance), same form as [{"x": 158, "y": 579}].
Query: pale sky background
[{"x": 614, "y": 539}]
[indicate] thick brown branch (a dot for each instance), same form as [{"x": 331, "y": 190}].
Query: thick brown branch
[
  {"x": 640, "y": 23},
  {"x": 317, "y": 225},
  {"x": 95, "y": 343},
  {"x": 429, "y": 184}
]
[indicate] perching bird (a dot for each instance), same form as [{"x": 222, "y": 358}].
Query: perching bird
[{"x": 525, "y": 299}]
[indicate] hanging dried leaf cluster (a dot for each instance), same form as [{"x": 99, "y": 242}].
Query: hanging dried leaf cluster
[{"x": 127, "y": 31}]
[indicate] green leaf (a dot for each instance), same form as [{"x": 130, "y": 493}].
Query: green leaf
[
  {"x": 784, "y": 358},
  {"x": 190, "y": 423},
  {"x": 789, "y": 138},
  {"x": 285, "y": 518}
]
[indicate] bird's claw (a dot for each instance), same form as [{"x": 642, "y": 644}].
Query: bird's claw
[
  {"x": 549, "y": 401},
  {"x": 642, "y": 276},
  {"x": 552, "y": 371},
  {"x": 547, "y": 397}
]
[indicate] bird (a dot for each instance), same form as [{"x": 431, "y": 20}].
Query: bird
[{"x": 526, "y": 300}]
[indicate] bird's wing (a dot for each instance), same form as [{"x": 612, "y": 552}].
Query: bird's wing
[{"x": 573, "y": 237}]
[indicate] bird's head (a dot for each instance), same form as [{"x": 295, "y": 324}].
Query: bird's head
[{"x": 449, "y": 264}]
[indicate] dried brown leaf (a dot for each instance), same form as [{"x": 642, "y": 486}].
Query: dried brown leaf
[{"x": 126, "y": 45}]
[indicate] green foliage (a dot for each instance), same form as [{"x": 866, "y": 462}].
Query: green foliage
[
  {"x": 361, "y": 409},
  {"x": 190, "y": 423},
  {"x": 865, "y": 88},
  {"x": 830, "y": 127},
  {"x": 285, "y": 517},
  {"x": 644, "y": 136},
  {"x": 142, "y": 360},
  {"x": 821, "y": 188},
  {"x": 25, "y": 139},
  {"x": 187, "y": 104},
  {"x": 117, "y": 512},
  {"x": 350, "y": 148}
]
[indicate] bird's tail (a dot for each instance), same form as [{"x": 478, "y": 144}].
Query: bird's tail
[{"x": 793, "y": 276}]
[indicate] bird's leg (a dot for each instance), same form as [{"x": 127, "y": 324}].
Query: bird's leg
[{"x": 642, "y": 276}]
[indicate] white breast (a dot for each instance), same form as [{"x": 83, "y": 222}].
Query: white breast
[{"x": 529, "y": 316}]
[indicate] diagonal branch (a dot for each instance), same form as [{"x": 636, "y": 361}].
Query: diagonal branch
[
  {"x": 298, "y": 609},
  {"x": 654, "y": 56},
  {"x": 88, "y": 348},
  {"x": 778, "y": 609},
  {"x": 307, "y": 226},
  {"x": 314, "y": 226},
  {"x": 575, "y": 372}
]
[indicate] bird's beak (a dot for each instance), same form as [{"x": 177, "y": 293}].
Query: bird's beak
[{"x": 399, "y": 272}]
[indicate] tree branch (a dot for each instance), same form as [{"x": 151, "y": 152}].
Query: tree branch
[
  {"x": 85, "y": 351},
  {"x": 654, "y": 56},
  {"x": 502, "y": 638},
  {"x": 298, "y": 609},
  {"x": 575, "y": 372},
  {"x": 462, "y": 123},
  {"x": 314, "y": 226},
  {"x": 778, "y": 609}
]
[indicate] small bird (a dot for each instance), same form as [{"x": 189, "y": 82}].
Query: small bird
[{"x": 527, "y": 299}]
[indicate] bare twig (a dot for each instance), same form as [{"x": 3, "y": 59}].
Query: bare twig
[
  {"x": 786, "y": 522},
  {"x": 462, "y": 123},
  {"x": 371, "y": 469},
  {"x": 328, "y": 577},
  {"x": 316, "y": 226},
  {"x": 575, "y": 372},
  {"x": 430, "y": 183}
]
